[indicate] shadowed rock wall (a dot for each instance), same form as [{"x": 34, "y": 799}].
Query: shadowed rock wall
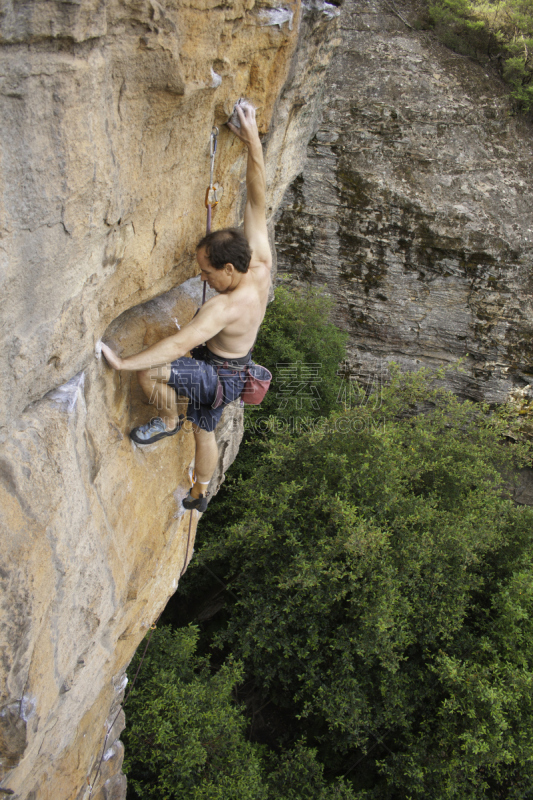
[
  {"x": 415, "y": 208},
  {"x": 105, "y": 114}
]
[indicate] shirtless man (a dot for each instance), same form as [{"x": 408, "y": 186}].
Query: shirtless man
[{"x": 238, "y": 267}]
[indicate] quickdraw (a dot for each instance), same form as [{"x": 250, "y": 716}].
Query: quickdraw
[{"x": 214, "y": 190}]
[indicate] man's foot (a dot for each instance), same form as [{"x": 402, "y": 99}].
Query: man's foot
[
  {"x": 195, "y": 503},
  {"x": 153, "y": 431}
]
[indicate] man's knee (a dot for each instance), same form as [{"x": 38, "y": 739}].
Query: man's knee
[
  {"x": 159, "y": 374},
  {"x": 143, "y": 376},
  {"x": 203, "y": 435}
]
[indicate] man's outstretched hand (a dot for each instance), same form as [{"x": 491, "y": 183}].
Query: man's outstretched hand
[
  {"x": 248, "y": 132},
  {"x": 112, "y": 359}
]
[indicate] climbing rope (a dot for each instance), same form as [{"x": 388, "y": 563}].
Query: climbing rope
[
  {"x": 212, "y": 198},
  {"x": 186, "y": 562},
  {"x": 153, "y": 627}
]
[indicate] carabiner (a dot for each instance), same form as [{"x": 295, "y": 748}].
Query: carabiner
[{"x": 213, "y": 141}]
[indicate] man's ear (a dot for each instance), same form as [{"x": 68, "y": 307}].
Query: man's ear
[{"x": 229, "y": 269}]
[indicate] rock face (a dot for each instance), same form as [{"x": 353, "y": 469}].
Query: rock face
[
  {"x": 415, "y": 208},
  {"x": 106, "y": 113}
]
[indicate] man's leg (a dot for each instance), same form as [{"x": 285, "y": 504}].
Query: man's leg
[
  {"x": 205, "y": 461},
  {"x": 154, "y": 384}
]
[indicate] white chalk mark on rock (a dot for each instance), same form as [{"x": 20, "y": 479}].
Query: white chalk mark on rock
[
  {"x": 98, "y": 348},
  {"x": 328, "y": 9},
  {"x": 276, "y": 16},
  {"x": 67, "y": 395},
  {"x": 121, "y": 684},
  {"x": 179, "y": 495},
  {"x": 27, "y": 707},
  {"x": 193, "y": 288},
  {"x": 216, "y": 79}
]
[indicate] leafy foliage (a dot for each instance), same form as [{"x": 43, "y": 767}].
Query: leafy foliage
[
  {"x": 185, "y": 737},
  {"x": 500, "y": 31},
  {"x": 379, "y": 600},
  {"x": 384, "y": 597},
  {"x": 296, "y": 331}
]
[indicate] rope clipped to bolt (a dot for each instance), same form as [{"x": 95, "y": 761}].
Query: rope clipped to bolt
[{"x": 214, "y": 191}]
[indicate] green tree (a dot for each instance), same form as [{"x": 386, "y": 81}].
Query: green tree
[
  {"x": 186, "y": 738},
  {"x": 383, "y": 582},
  {"x": 296, "y": 331}
]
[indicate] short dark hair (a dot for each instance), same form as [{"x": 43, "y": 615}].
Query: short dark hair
[{"x": 227, "y": 246}]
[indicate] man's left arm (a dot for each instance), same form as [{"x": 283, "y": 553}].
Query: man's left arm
[
  {"x": 210, "y": 320},
  {"x": 255, "y": 224}
]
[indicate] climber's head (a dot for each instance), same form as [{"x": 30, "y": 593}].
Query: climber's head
[{"x": 227, "y": 246}]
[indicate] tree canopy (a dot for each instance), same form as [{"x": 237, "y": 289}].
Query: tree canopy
[
  {"x": 384, "y": 582},
  {"x": 376, "y": 608}
]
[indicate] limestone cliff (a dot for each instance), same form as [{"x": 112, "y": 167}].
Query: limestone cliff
[
  {"x": 415, "y": 207},
  {"x": 106, "y": 111}
]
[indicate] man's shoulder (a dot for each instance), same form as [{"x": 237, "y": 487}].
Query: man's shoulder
[
  {"x": 218, "y": 301},
  {"x": 217, "y": 306},
  {"x": 258, "y": 280}
]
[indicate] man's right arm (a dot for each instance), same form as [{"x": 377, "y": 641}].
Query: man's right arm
[
  {"x": 210, "y": 320},
  {"x": 255, "y": 225}
]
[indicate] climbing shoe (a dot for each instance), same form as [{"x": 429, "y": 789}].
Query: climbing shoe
[
  {"x": 153, "y": 431},
  {"x": 195, "y": 504}
]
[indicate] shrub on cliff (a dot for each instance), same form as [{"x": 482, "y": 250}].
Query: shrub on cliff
[
  {"x": 383, "y": 597},
  {"x": 499, "y": 32}
]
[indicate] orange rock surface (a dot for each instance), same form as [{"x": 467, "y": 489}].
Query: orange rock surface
[{"x": 106, "y": 113}]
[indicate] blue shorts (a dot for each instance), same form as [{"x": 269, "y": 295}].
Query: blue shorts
[{"x": 198, "y": 380}]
